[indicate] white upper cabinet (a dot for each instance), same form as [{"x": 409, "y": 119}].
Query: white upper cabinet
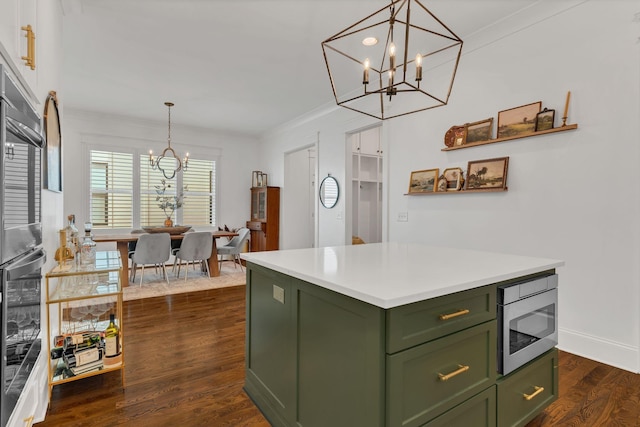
[
  {"x": 16, "y": 17},
  {"x": 370, "y": 141},
  {"x": 367, "y": 142}
]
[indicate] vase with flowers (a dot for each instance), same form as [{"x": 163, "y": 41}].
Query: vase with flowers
[{"x": 168, "y": 202}]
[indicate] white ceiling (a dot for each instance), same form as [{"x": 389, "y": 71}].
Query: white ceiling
[{"x": 241, "y": 66}]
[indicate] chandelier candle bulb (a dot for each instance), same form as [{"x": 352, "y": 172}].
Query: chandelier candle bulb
[
  {"x": 392, "y": 56},
  {"x": 365, "y": 73},
  {"x": 418, "y": 67}
]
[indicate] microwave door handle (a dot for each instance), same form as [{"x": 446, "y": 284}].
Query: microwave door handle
[
  {"x": 34, "y": 261},
  {"x": 24, "y": 133}
]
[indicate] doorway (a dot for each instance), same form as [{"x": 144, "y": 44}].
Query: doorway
[{"x": 299, "y": 201}]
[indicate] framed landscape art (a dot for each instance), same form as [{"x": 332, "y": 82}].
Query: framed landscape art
[
  {"x": 544, "y": 119},
  {"x": 424, "y": 181},
  {"x": 479, "y": 131},
  {"x": 489, "y": 174},
  {"x": 519, "y": 120},
  {"x": 454, "y": 178}
]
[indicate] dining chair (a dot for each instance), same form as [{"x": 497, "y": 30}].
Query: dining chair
[
  {"x": 196, "y": 246},
  {"x": 154, "y": 249},
  {"x": 234, "y": 247}
]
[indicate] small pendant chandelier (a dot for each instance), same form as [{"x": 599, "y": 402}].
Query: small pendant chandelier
[
  {"x": 399, "y": 60},
  {"x": 168, "y": 162}
]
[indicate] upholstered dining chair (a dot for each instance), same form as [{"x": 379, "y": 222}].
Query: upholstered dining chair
[
  {"x": 154, "y": 249},
  {"x": 234, "y": 247},
  {"x": 196, "y": 246}
]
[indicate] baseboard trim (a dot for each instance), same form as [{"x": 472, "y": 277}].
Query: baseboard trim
[{"x": 601, "y": 350}]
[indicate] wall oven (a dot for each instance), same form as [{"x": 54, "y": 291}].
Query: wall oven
[
  {"x": 20, "y": 176},
  {"x": 20, "y": 312},
  {"x": 527, "y": 320},
  {"x": 21, "y": 255}
]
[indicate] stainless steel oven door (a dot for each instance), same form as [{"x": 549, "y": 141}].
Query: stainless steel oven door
[
  {"x": 20, "y": 172},
  {"x": 20, "y": 342},
  {"x": 526, "y": 329}
]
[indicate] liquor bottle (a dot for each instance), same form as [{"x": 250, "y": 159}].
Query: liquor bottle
[
  {"x": 112, "y": 338},
  {"x": 88, "y": 248},
  {"x": 72, "y": 234}
]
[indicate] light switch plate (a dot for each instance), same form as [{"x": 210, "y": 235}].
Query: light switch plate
[
  {"x": 403, "y": 216},
  {"x": 278, "y": 294}
]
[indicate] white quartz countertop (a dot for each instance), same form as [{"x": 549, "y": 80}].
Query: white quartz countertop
[{"x": 388, "y": 275}]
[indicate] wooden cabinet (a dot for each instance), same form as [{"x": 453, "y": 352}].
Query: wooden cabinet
[
  {"x": 79, "y": 303},
  {"x": 317, "y": 358},
  {"x": 265, "y": 219}
]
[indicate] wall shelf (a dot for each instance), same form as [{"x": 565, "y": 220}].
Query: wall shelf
[
  {"x": 509, "y": 138},
  {"x": 489, "y": 190}
]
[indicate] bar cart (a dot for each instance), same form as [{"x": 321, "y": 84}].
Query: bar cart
[{"x": 80, "y": 300}]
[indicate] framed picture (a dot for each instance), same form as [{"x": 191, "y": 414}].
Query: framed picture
[
  {"x": 424, "y": 181},
  {"x": 459, "y": 135},
  {"x": 53, "y": 158},
  {"x": 454, "y": 178},
  {"x": 479, "y": 131},
  {"x": 544, "y": 119},
  {"x": 454, "y": 136},
  {"x": 519, "y": 120},
  {"x": 489, "y": 174}
]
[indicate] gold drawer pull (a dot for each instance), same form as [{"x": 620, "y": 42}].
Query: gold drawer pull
[
  {"x": 534, "y": 394},
  {"x": 460, "y": 312},
  {"x": 462, "y": 368}
]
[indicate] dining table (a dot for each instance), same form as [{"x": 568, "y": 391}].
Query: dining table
[{"x": 122, "y": 245}]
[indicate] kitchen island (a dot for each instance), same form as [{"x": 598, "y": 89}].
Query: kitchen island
[{"x": 387, "y": 334}]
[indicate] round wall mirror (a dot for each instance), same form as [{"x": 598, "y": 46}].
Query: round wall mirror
[{"x": 329, "y": 192}]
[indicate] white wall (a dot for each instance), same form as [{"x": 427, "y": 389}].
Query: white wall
[
  {"x": 237, "y": 158},
  {"x": 572, "y": 195}
]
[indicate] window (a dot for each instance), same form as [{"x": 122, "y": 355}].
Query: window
[
  {"x": 124, "y": 197},
  {"x": 111, "y": 189}
]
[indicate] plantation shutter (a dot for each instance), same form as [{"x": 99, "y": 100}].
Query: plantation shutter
[
  {"x": 200, "y": 196},
  {"x": 111, "y": 184}
]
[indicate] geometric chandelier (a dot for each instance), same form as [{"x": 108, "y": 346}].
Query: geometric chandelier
[
  {"x": 399, "y": 60},
  {"x": 168, "y": 162}
]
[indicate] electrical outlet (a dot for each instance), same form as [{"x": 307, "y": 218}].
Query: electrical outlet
[
  {"x": 403, "y": 216},
  {"x": 339, "y": 216},
  {"x": 278, "y": 294}
]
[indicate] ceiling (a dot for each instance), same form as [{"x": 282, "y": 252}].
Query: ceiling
[{"x": 238, "y": 66}]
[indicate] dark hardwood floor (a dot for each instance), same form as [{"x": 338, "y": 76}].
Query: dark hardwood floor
[{"x": 185, "y": 367}]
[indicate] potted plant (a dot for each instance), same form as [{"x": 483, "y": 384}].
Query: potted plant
[{"x": 168, "y": 202}]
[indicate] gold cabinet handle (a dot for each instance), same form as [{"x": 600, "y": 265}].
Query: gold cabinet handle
[
  {"x": 461, "y": 369},
  {"x": 460, "y": 312},
  {"x": 28, "y": 422},
  {"x": 537, "y": 391},
  {"x": 30, "y": 59}
]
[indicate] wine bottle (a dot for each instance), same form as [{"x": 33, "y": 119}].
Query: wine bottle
[{"x": 112, "y": 338}]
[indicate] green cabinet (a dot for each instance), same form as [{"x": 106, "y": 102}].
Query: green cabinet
[
  {"x": 479, "y": 411},
  {"x": 427, "y": 380},
  {"x": 314, "y": 357},
  {"x": 317, "y": 358},
  {"x": 271, "y": 344},
  {"x": 525, "y": 392},
  {"x": 413, "y": 324}
]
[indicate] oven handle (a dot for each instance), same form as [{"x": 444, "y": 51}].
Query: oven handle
[
  {"x": 24, "y": 133},
  {"x": 27, "y": 265}
]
